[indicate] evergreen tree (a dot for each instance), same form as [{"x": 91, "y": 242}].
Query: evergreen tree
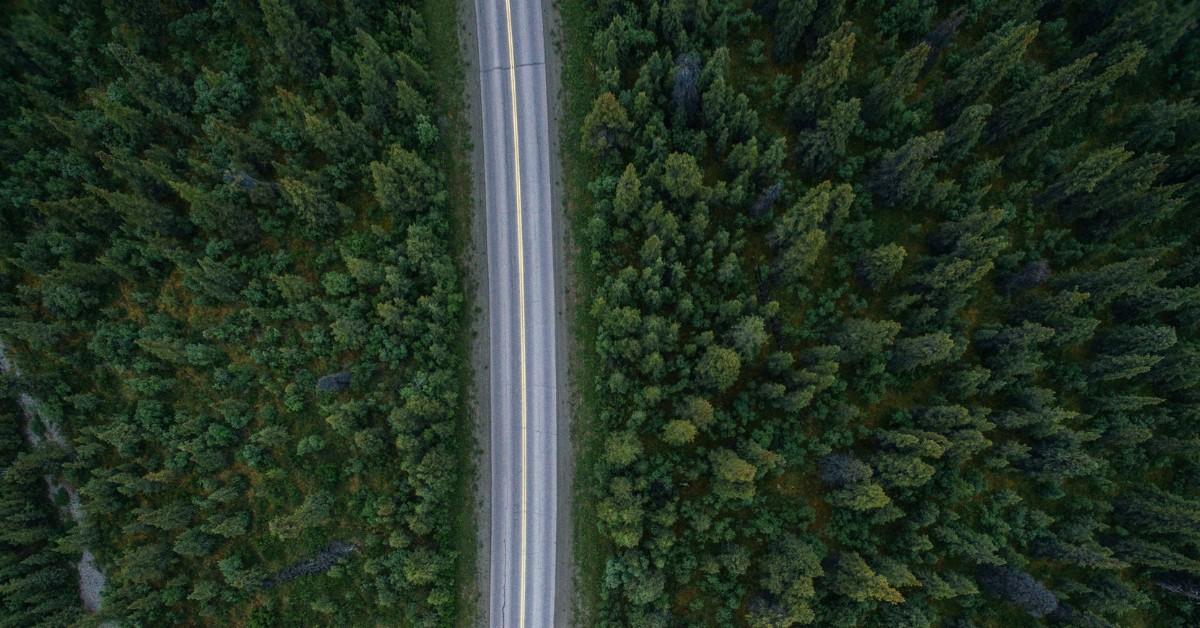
[
  {"x": 888, "y": 96},
  {"x": 791, "y": 20},
  {"x": 1000, "y": 54},
  {"x": 904, "y": 175},
  {"x": 918, "y": 351},
  {"x": 607, "y": 126},
  {"x": 853, "y": 578},
  {"x": 877, "y": 266},
  {"x": 824, "y": 78},
  {"x": 295, "y": 41},
  {"x": 1017, "y": 587}
]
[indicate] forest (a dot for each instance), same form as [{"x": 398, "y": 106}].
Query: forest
[
  {"x": 228, "y": 283},
  {"x": 37, "y": 582},
  {"x": 890, "y": 311}
]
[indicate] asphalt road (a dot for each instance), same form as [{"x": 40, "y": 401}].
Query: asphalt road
[{"x": 521, "y": 304}]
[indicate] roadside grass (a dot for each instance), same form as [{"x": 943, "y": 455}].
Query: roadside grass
[
  {"x": 445, "y": 62},
  {"x": 579, "y": 83}
]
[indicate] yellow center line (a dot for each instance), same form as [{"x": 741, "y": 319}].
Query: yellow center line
[{"x": 512, "y": 84}]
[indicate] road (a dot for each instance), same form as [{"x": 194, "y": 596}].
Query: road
[{"x": 521, "y": 312}]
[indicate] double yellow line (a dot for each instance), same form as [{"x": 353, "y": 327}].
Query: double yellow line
[{"x": 512, "y": 84}]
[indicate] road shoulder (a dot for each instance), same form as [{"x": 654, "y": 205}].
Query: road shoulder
[
  {"x": 575, "y": 85},
  {"x": 466, "y": 141},
  {"x": 564, "y": 340}
]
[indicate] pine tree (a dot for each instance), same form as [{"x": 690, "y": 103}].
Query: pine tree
[
  {"x": 314, "y": 512},
  {"x": 1044, "y": 95},
  {"x": 942, "y": 35},
  {"x": 878, "y": 265},
  {"x": 1017, "y": 587},
  {"x": 918, "y": 351},
  {"x": 824, "y": 80},
  {"x": 295, "y": 42},
  {"x": 38, "y": 587},
  {"x": 799, "y": 235},
  {"x": 905, "y": 174},
  {"x": 681, "y": 176},
  {"x": 821, "y": 148},
  {"x": 377, "y": 77},
  {"x": 791, "y": 21},
  {"x": 606, "y": 127},
  {"x": 963, "y": 134},
  {"x": 405, "y": 183},
  {"x": 887, "y": 96},
  {"x": 159, "y": 91},
  {"x": 1002, "y": 51},
  {"x": 853, "y": 578},
  {"x": 861, "y": 338}
]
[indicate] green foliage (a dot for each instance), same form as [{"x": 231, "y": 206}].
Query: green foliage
[
  {"x": 924, "y": 350},
  {"x": 878, "y": 265},
  {"x": 38, "y": 583},
  {"x": 606, "y": 127},
  {"x": 679, "y": 432},
  {"x": 622, "y": 448},
  {"x": 719, "y": 367},
  {"x": 207, "y": 208},
  {"x": 314, "y": 512},
  {"x": 681, "y": 176},
  {"x": 895, "y": 325},
  {"x": 403, "y": 182},
  {"x": 788, "y": 574},
  {"x": 856, "y": 580}
]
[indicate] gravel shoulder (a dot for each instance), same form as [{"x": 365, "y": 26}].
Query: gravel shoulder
[
  {"x": 477, "y": 279},
  {"x": 565, "y": 571}
]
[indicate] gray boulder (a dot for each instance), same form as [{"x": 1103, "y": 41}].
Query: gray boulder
[{"x": 335, "y": 382}]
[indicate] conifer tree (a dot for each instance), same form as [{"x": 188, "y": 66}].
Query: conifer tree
[{"x": 1000, "y": 54}]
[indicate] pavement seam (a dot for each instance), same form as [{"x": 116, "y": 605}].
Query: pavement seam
[{"x": 518, "y": 66}]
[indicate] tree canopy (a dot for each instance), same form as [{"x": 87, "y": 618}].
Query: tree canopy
[
  {"x": 227, "y": 272},
  {"x": 891, "y": 311}
]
